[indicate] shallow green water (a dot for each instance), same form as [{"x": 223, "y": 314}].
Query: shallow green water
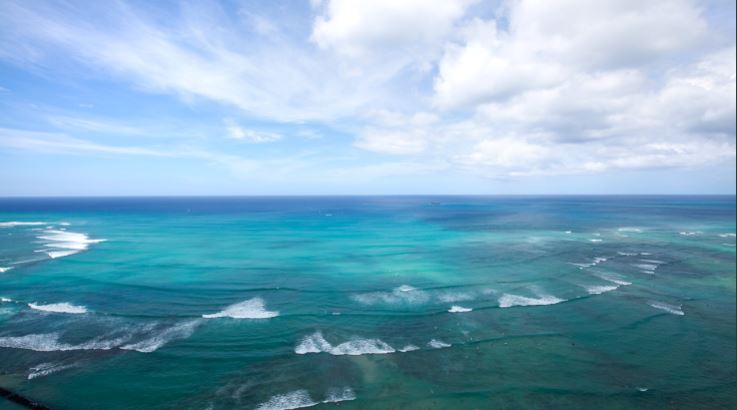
[{"x": 570, "y": 302}]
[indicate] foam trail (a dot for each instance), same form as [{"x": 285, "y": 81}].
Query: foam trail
[
  {"x": 614, "y": 279},
  {"x": 438, "y": 344},
  {"x": 508, "y": 300},
  {"x": 13, "y": 224},
  {"x": 179, "y": 331},
  {"x": 49, "y": 342},
  {"x": 338, "y": 395},
  {"x": 316, "y": 343},
  {"x": 672, "y": 309},
  {"x": 294, "y": 400},
  {"x": 250, "y": 309},
  {"x": 598, "y": 290},
  {"x": 60, "y": 254},
  {"x": 459, "y": 309},
  {"x": 3, "y": 270},
  {"x": 45, "y": 369},
  {"x": 409, "y": 348},
  {"x": 648, "y": 268},
  {"x": 59, "y": 308}
]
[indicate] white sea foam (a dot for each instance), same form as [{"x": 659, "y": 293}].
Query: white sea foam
[
  {"x": 598, "y": 290},
  {"x": 689, "y": 233},
  {"x": 438, "y": 344},
  {"x": 60, "y": 254},
  {"x": 596, "y": 240},
  {"x": 672, "y": 309},
  {"x": 630, "y": 229},
  {"x": 459, "y": 309},
  {"x": 336, "y": 395},
  {"x": 5, "y": 300},
  {"x": 45, "y": 369},
  {"x": 727, "y": 235},
  {"x": 568, "y": 232},
  {"x": 597, "y": 261},
  {"x": 403, "y": 294},
  {"x": 627, "y": 253},
  {"x": 250, "y": 309},
  {"x": 3, "y": 270},
  {"x": 179, "y": 331},
  {"x": 295, "y": 400},
  {"x": 613, "y": 278},
  {"x": 316, "y": 343},
  {"x": 59, "y": 308},
  {"x": 409, "y": 348},
  {"x": 49, "y": 342},
  {"x": 508, "y": 300},
  {"x": 648, "y": 268},
  {"x": 13, "y": 224},
  {"x": 653, "y": 261},
  {"x": 70, "y": 242}
]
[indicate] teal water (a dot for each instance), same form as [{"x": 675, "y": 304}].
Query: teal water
[{"x": 268, "y": 303}]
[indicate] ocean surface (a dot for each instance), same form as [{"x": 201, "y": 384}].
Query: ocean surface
[{"x": 369, "y": 302}]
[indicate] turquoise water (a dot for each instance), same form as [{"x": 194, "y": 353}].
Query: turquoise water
[{"x": 369, "y": 302}]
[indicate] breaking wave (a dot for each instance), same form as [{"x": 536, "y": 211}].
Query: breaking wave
[
  {"x": 316, "y": 343},
  {"x": 59, "y": 308},
  {"x": 250, "y": 309}
]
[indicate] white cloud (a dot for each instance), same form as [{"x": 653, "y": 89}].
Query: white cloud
[
  {"x": 548, "y": 42},
  {"x": 236, "y": 132},
  {"x": 407, "y": 28}
]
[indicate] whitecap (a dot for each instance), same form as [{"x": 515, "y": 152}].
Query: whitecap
[
  {"x": 337, "y": 395},
  {"x": 403, "y": 294},
  {"x": 3, "y": 270},
  {"x": 630, "y": 229},
  {"x": 568, "y": 232},
  {"x": 70, "y": 242},
  {"x": 409, "y": 348},
  {"x": 627, "y": 253},
  {"x": 672, "y": 309},
  {"x": 459, "y": 309},
  {"x": 316, "y": 343},
  {"x": 59, "y": 308},
  {"x": 438, "y": 344},
  {"x": 45, "y": 369},
  {"x": 179, "y": 331},
  {"x": 642, "y": 389},
  {"x": 295, "y": 400},
  {"x": 508, "y": 300},
  {"x": 597, "y": 261},
  {"x": 727, "y": 235},
  {"x": 250, "y": 309},
  {"x": 5, "y": 300},
  {"x": 13, "y": 224},
  {"x": 596, "y": 240},
  {"x": 598, "y": 290},
  {"x": 689, "y": 233}
]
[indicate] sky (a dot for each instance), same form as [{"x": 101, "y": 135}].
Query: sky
[{"x": 341, "y": 97}]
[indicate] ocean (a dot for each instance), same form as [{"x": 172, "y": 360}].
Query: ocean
[{"x": 444, "y": 302}]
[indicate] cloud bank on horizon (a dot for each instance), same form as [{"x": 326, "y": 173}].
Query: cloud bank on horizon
[{"x": 354, "y": 96}]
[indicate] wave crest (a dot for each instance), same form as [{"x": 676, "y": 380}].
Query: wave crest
[{"x": 250, "y": 309}]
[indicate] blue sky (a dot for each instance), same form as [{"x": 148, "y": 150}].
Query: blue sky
[{"x": 264, "y": 97}]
